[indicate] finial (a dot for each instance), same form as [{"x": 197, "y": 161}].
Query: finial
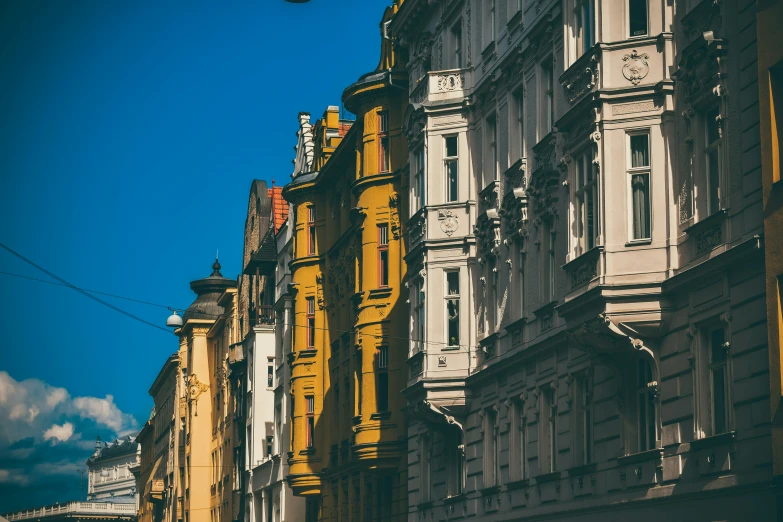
[{"x": 216, "y": 267}]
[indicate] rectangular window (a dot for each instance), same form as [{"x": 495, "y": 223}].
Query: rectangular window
[
  {"x": 520, "y": 442},
  {"x": 451, "y": 160},
  {"x": 639, "y": 178},
  {"x": 491, "y": 463},
  {"x": 310, "y": 418},
  {"x": 718, "y": 381},
  {"x": 637, "y": 17},
  {"x": 519, "y": 134},
  {"x": 546, "y": 98},
  {"x": 425, "y": 451},
  {"x": 646, "y": 416},
  {"x": 382, "y": 378},
  {"x": 383, "y": 255},
  {"x": 584, "y": 26},
  {"x": 452, "y": 308},
  {"x": 310, "y": 322},
  {"x": 270, "y": 444},
  {"x": 586, "y": 203},
  {"x": 550, "y": 427},
  {"x": 311, "y": 230},
  {"x": 456, "y": 38},
  {"x": 583, "y": 420},
  {"x": 418, "y": 316},
  {"x": 776, "y": 117},
  {"x": 491, "y": 28},
  {"x": 383, "y": 140},
  {"x": 417, "y": 192},
  {"x": 492, "y": 145},
  {"x": 712, "y": 160},
  {"x": 270, "y": 373}
]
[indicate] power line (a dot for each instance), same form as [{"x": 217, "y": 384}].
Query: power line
[{"x": 82, "y": 291}]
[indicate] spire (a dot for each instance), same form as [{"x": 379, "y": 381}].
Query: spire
[{"x": 216, "y": 267}]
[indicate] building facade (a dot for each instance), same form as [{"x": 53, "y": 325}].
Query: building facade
[
  {"x": 585, "y": 264},
  {"x": 109, "y": 471},
  {"x": 348, "y": 436},
  {"x": 769, "y": 18}
]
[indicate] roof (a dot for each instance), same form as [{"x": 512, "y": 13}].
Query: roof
[
  {"x": 265, "y": 256},
  {"x": 208, "y": 291},
  {"x": 124, "y": 446},
  {"x": 279, "y": 207}
]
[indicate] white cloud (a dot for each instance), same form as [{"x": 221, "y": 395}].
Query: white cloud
[
  {"x": 103, "y": 411},
  {"x": 59, "y": 433}
]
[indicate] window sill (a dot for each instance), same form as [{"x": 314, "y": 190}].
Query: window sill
[
  {"x": 490, "y": 490},
  {"x": 703, "y": 224},
  {"x": 516, "y": 19},
  {"x": 638, "y": 242},
  {"x": 381, "y": 415},
  {"x": 451, "y": 499},
  {"x": 548, "y": 477},
  {"x": 518, "y": 484},
  {"x": 643, "y": 456},
  {"x": 488, "y": 51},
  {"x": 713, "y": 440},
  {"x": 449, "y": 348},
  {"x": 356, "y": 420},
  {"x": 545, "y": 310},
  {"x": 308, "y": 353},
  {"x": 307, "y": 451},
  {"x": 424, "y": 505},
  {"x": 584, "y": 469},
  {"x": 380, "y": 293}
]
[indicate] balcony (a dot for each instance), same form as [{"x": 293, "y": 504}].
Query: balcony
[
  {"x": 583, "y": 76},
  {"x": 76, "y": 510},
  {"x": 443, "y": 86},
  {"x": 263, "y": 315}
]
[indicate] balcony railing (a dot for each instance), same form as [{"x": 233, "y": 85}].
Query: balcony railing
[
  {"x": 72, "y": 509},
  {"x": 442, "y": 85},
  {"x": 263, "y": 315}
]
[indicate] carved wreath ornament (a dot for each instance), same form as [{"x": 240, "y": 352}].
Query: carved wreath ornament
[{"x": 636, "y": 67}]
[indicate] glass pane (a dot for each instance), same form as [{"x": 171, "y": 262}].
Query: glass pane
[
  {"x": 452, "y": 174},
  {"x": 590, "y": 219},
  {"x": 641, "y": 206},
  {"x": 719, "y": 400},
  {"x": 637, "y": 17},
  {"x": 451, "y": 146},
  {"x": 716, "y": 346},
  {"x": 580, "y": 173},
  {"x": 714, "y": 179},
  {"x": 452, "y": 282},
  {"x": 651, "y": 422},
  {"x": 640, "y": 153}
]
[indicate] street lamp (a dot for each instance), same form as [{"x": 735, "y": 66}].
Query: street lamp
[{"x": 174, "y": 321}]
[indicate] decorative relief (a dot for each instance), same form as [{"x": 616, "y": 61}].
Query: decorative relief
[
  {"x": 441, "y": 360},
  {"x": 448, "y": 221},
  {"x": 319, "y": 291},
  {"x": 450, "y": 82},
  {"x": 546, "y": 322},
  {"x": 583, "y": 80},
  {"x": 195, "y": 389},
  {"x": 394, "y": 206},
  {"x": 585, "y": 270},
  {"x": 513, "y": 212},
  {"x": 341, "y": 276},
  {"x": 708, "y": 240},
  {"x": 443, "y": 254},
  {"x": 684, "y": 202},
  {"x": 418, "y": 229},
  {"x": 636, "y": 67},
  {"x": 630, "y": 108},
  {"x": 487, "y": 232},
  {"x": 544, "y": 187},
  {"x": 468, "y": 25}
]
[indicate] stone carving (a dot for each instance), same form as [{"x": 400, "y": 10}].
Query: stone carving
[
  {"x": 415, "y": 367},
  {"x": 630, "y": 108},
  {"x": 707, "y": 240},
  {"x": 585, "y": 271},
  {"x": 546, "y": 322},
  {"x": 319, "y": 291},
  {"x": 684, "y": 200},
  {"x": 341, "y": 276},
  {"x": 516, "y": 337},
  {"x": 488, "y": 233},
  {"x": 448, "y": 221},
  {"x": 394, "y": 208},
  {"x": 418, "y": 229},
  {"x": 488, "y": 198},
  {"x": 468, "y": 25},
  {"x": 544, "y": 187},
  {"x": 513, "y": 212},
  {"x": 450, "y": 82},
  {"x": 584, "y": 79},
  {"x": 195, "y": 389},
  {"x": 636, "y": 67},
  {"x": 441, "y": 360}
]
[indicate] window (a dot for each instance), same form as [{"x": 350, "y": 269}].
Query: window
[
  {"x": 310, "y": 418},
  {"x": 456, "y": 38},
  {"x": 646, "y": 408},
  {"x": 492, "y": 146},
  {"x": 586, "y": 203},
  {"x": 719, "y": 381},
  {"x": 548, "y": 261},
  {"x": 383, "y": 141},
  {"x": 311, "y": 230},
  {"x": 547, "y": 97},
  {"x": 451, "y": 161},
  {"x": 490, "y": 29},
  {"x": 382, "y": 378},
  {"x": 548, "y": 446},
  {"x": 425, "y": 454},
  {"x": 270, "y": 373},
  {"x": 584, "y": 29},
  {"x": 712, "y": 160},
  {"x": 491, "y": 462},
  {"x": 583, "y": 420},
  {"x": 637, "y": 17},
  {"x": 418, "y": 316},
  {"x": 639, "y": 178},
  {"x": 519, "y": 441},
  {"x": 359, "y": 387},
  {"x": 310, "y": 322},
  {"x": 519, "y": 131},
  {"x": 776, "y": 117},
  {"x": 270, "y": 444},
  {"x": 383, "y": 255},
  {"x": 417, "y": 192},
  {"x": 452, "y": 308}
]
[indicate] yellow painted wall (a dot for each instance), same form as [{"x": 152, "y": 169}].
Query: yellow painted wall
[{"x": 769, "y": 19}]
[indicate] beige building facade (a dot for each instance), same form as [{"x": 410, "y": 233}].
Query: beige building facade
[{"x": 585, "y": 262}]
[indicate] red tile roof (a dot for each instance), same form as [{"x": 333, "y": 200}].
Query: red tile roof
[{"x": 279, "y": 207}]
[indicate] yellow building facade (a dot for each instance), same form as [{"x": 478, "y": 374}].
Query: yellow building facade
[
  {"x": 769, "y": 18},
  {"x": 349, "y": 448}
]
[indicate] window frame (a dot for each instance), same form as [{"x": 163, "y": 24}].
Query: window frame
[
  {"x": 546, "y": 122},
  {"x": 457, "y": 44},
  {"x": 451, "y": 178},
  {"x": 309, "y": 421},
  {"x": 585, "y": 184},
  {"x": 584, "y": 17},
  {"x": 646, "y": 16},
  {"x": 384, "y": 159},
  {"x": 492, "y": 146},
  {"x": 712, "y": 368},
  {"x": 383, "y": 255},
  {"x": 518, "y": 97},
  {"x": 716, "y": 147},
  {"x": 311, "y": 235},
  {"x": 382, "y": 378},
  {"x": 646, "y": 393},
  {"x": 639, "y": 171},
  {"x": 419, "y": 316},
  {"x": 310, "y": 317},
  {"x": 452, "y": 300},
  {"x": 418, "y": 194}
]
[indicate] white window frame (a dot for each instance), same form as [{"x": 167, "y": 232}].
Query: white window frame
[
  {"x": 448, "y": 298},
  {"x": 709, "y": 147},
  {"x": 584, "y": 16},
  {"x": 584, "y": 187},
  {"x": 457, "y": 43},
  {"x": 518, "y": 99},
  {"x": 418, "y": 194},
  {"x": 447, "y": 161},
  {"x": 630, "y": 173},
  {"x": 628, "y": 19},
  {"x": 546, "y": 100}
]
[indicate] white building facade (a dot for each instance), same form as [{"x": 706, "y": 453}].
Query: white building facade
[
  {"x": 585, "y": 262},
  {"x": 109, "y": 471}
]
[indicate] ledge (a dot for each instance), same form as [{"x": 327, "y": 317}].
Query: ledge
[
  {"x": 356, "y": 420},
  {"x": 380, "y": 415},
  {"x": 547, "y": 309},
  {"x": 380, "y": 293},
  {"x": 714, "y": 440},
  {"x": 424, "y": 505},
  {"x": 703, "y": 224},
  {"x": 548, "y": 477},
  {"x": 308, "y": 451},
  {"x": 454, "y": 498},
  {"x": 518, "y": 484},
  {"x": 307, "y": 353},
  {"x": 515, "y": 19},
  {"x": 488, "y": 51},
  {"x": 491, "y": 490},
  {"x": 643, "y": 456},
  {"x": 582, "y": 470}
]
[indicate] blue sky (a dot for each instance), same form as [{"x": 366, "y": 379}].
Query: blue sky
[{"x": 129, "y": 135}]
